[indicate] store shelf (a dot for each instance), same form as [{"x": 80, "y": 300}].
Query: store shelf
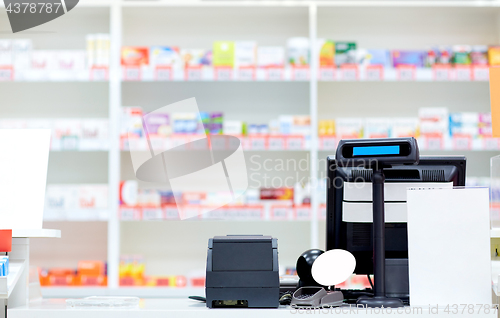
[
  {"x": 40, "y": 233},
  {"x": 142, "y": 292},
  {"x": 495, "y": 233},
  {"x": 75, "y": 215},
  {"x": 7, "y": 283},
  {"x": 33, "y": 76},
  {"x": 261, "y": 212},
  {"x": 344, "y": 73}
]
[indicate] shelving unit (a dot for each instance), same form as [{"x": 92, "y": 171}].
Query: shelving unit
[
  {"x": 195, "y": 23},
  {"x": 7, "y": 283}
]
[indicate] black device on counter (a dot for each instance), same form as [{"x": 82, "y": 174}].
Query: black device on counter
[
  {"x": 349, "y": 167},
  {"x": 242, "y": 271}
]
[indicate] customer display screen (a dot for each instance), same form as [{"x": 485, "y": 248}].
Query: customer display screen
[
  {"x": 375, "y": 151},
  {"x": 395, "y": 149}
]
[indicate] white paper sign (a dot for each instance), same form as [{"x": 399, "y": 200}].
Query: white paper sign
[
  {"x": 23, "y": 175},
  {"x": 449, "y": 246}
]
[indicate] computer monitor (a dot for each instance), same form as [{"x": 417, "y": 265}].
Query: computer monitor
[{"x": 349, "y": 208}]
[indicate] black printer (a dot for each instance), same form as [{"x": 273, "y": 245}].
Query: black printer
[{"x": 242, "y": 271}]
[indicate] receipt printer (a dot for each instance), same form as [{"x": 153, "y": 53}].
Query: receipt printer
[{"x": 242, "y": 271}]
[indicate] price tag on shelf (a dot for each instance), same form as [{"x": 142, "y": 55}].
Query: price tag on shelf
[
  {"x": 327, "y": 74},
  {"x": 246, "y": 143},
  {"x": 300, "y": 73},
  {"x": 131, "y": 73},
  {"x": 164, "y": 73},
  {"x": 463, "y": 73},
  {"x": 275, "y": 73},
  {"x": 374, "y": 73},
  {"x": 276, "y": 143},
  {"x": 491, "y": 143},
  {"x": 218, "y": 142},
  {"x": 99, "y": 74},
  {"x": 406, "y": 72},
  {"x": 349, "y": 72},
  {"x": 194, "y": 73},
  {"x": 257, "y": 143},
  {"x": 129, "y": 214},
  {"x": 234, "y": 143},
  {"x": 198, "y": 143},
  {"x": 223, "y": 73},
  {"x": 434, "y": 143},
  {"x": 179, "y": 142},
  {"x": 303, "y": 213},
  {"x": 69, "y": 143},
  {"x": 152, "y": 214},
  {"x": 157, "y": 144},
  {"x": 280, "y": 212},
  {"x": 171, "y": 212},
  {"x": 481, "y": 73},
  {"x": 190, "y": 211},
  {"x": 246, "y": 74},
  {"x": 328, "y": 143},
  {"x": 295, "y": 143},
  {"x": 441, "y": 72},
  {"x": 462, "y": 143},
  {"x": 255, "y": 212},
  {"x": 6, "y": 73}
]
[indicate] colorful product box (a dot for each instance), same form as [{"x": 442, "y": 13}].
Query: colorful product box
[
  {"x": 93, "y": 196},
  {"x": 69, "y": 60},
  {"x": 298, "y": 51},
  {"x": 61, "y": 197},
  {"x": 196, "y": 57},
  {"x": 276, "y": 194},
  {"x": 433, "y": 121},
  {"x": 131, "y": 122},
  {"x": 326, "y": 53},
  {"x": 345, "y": 53},
  {"x": 438, "y": 56},
  {"x": 21, "y": 53},
  {"x": 494, "y": 55},
  {"x": 404, "y": 127},
  {"x": 415, "y": 58},
  {"x": 462, "y": 54},
  {"x": 479, "y": 55},
  {"x": 379, "y": 57},
  {"x": 223, "y": 54},
  {"x": 184, "y": 123},
  {"x": 245, "y": 54},
  {"x": 135, "y": 56},
  {"x": 157, "y": 124},
  {"x": 5, "y": 52},
  {"x": 285, "y": 123},
  {"x": 326, "y": 128},
  {"x": 377, "y": 128},
  {"x": 301, "y": 125},
  {"x": 42, "y": 60},
  {"x": 270, "y": 56},
  {"x": 204, "y": 126},
  {"x": 102, "y": 44},
  {"x": 94, "y": 134},
  {"x": 233, "y": 127},
  {"x": 216, "y": 122},
  {"x": 349, "y": 128},
  {"x": 165, "y": 56}
]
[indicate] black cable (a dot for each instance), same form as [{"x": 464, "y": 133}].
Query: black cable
[{"x": 370, "y": 280}]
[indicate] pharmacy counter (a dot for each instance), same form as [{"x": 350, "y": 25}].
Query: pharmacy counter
[{"x": 185, "y": 308}]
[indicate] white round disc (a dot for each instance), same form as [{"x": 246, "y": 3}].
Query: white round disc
[{"x": 333, "y": 267}]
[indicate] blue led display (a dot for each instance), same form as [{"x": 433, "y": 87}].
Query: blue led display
[{"x": 375, "y": 151}]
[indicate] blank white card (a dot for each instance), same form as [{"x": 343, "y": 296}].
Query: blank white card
[
  {"x": 449, "y": 246},
  {"x": 24, "y": 155}
]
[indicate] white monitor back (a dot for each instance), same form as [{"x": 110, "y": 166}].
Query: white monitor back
[{"x": 24, "y": 156}]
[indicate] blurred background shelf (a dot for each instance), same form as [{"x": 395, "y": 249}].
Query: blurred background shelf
[{"x": 171, "y": 247}]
